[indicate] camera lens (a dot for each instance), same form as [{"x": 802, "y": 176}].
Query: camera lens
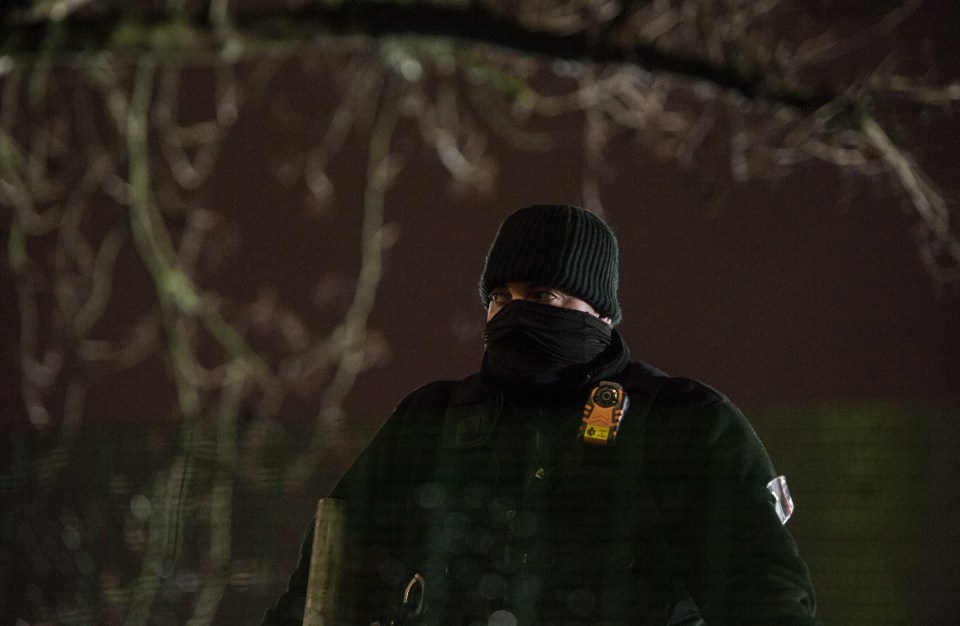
[{"x": 605, "y": 396}]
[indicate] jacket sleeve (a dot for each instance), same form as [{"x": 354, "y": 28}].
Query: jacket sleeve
[
  {"x": 727, "y": 544},
  {"x": 375, "y": 501}
]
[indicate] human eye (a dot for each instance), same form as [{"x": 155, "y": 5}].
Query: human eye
[
  {"x": 546, "y": 296},
  {"x": 498, "y": 296}
]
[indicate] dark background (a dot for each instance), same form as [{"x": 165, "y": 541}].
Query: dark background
[{"x": 802, "y": 298}]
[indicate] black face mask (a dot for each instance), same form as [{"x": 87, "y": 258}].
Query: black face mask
[{"x": 529, "y": 343}]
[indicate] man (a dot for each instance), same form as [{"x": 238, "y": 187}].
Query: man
[{"x": 563, "y": 483}]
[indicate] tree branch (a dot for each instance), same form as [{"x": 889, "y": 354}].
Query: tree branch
[{"x": 275, "y": 25}]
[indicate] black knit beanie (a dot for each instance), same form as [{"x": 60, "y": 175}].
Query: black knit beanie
[{"x": 558, "y": 246}]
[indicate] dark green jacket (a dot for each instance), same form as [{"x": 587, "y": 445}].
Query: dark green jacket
[{"x": 499, "y": 507}]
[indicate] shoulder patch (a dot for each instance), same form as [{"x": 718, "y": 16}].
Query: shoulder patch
[{"x": 781, "y": 495}]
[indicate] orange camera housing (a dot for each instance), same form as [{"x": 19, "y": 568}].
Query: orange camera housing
[{"x": 603, "y": 413}]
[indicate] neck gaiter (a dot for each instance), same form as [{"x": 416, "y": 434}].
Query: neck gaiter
[{"x": 528, "y": 343}]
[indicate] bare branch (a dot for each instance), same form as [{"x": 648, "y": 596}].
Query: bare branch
[
  {"x": 915, "y": 90},
  {"x": 828, "y": 48},
  {"x": 350, "y": 334},
  {"x": 926, "y": 199},
  {"x": 565, "y": 33}
]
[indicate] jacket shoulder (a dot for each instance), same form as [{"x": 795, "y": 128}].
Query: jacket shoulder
[
  {"x": 640, "y": 377},
  {"x": 428, "y": 394},
  {"x": 694, "y": 393},
  {"x": 433, "y": 398},
  {"x": 684, "y": 410}
]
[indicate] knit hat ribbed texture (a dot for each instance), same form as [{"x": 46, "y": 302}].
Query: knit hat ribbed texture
[{"x": 559, "y": 246}]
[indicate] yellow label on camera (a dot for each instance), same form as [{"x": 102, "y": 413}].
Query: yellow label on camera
[{"x": 597, "y": 433}]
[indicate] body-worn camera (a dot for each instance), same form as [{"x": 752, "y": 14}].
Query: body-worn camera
[{"x": 602, "y": 414}]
